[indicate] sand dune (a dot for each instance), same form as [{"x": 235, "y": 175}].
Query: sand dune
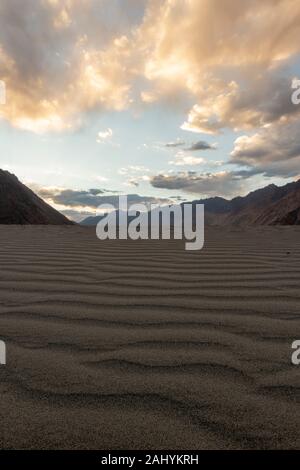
[{"x": 143, "y": 345}]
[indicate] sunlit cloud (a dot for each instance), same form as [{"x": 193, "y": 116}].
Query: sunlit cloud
[
  {"x": 183, "y": 159},
  {"x": 221, "y": 183},
  {"x": 63, "y": 61},
  {"x": 80, "y": 59},
  {"x": 134, "y": 175},
  {"x": 104, "y": 136}
]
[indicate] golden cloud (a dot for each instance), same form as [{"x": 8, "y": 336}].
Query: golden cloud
[
  {"x": 61, "y": 59},
  {"x": 228, "y": 55}
]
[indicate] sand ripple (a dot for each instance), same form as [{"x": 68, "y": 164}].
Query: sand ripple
[{"x": 143, "y": 345}]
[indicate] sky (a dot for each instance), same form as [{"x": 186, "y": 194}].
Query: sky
[{"x": 163, "y": 100}]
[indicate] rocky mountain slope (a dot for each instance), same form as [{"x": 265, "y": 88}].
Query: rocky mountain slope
[{"x": 20, "y": 205}]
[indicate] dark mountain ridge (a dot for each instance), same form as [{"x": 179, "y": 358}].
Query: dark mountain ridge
[{"x": 20, "y": 205}]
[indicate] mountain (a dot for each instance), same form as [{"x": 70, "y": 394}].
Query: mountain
[
  {"x": 93, "y": 220},
  {"x": 20, "y": 205},
  {"x": 272, "y": 205},
  {"x": 291, "y": 218}
]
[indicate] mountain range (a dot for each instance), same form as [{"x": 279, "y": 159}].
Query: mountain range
[{"x": 272, "y": 205}]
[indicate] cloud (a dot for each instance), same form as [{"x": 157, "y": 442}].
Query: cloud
[
  {"x": 196, "y": 21},
  {"x": 201, "y": 145},
  {"x": 272, "y": 151},
  {"x": 182, "y": 159},
  {"x": 232, "y": 60},
  {"x": 72, "y": 198},
  {"x": 132, "y": 182},
  {"x": 235, "y": 34},
  {"x": 101, "y": 179},
  {"x": 63, "y": 59},
  {"x": 133, "y": 169},
  {"x": 104, "y": 136},
  {"x": 254, "y": 103},
  {"x": 71, "y": 201},
  {"x": 135, "y": 174},
  {"x": 176, "y": 143},
  {"x": 222, "y": 183}
]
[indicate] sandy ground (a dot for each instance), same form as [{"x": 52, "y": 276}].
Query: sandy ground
[{"x": 143, "y": 345}]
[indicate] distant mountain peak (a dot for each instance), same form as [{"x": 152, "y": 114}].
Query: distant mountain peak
[{"x": 265, "y": 206}]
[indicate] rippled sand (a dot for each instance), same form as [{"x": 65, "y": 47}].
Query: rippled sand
[{"x": 143, "y": 345}]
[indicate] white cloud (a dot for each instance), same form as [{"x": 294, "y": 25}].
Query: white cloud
[
  {"x": 104, "y": 136},
  {"x": 222, "y": 183},
  {"x": 182, "y": 159}
]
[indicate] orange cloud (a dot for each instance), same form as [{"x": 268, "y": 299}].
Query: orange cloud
[
  {"x": 60, "y": 62},
  {"x": 61, "y": 59}
]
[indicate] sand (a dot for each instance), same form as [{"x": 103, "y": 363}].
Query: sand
[{"x": 143, "y": 345}]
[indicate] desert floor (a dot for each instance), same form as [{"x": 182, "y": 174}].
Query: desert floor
[{"x": 143, "y": 345}]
